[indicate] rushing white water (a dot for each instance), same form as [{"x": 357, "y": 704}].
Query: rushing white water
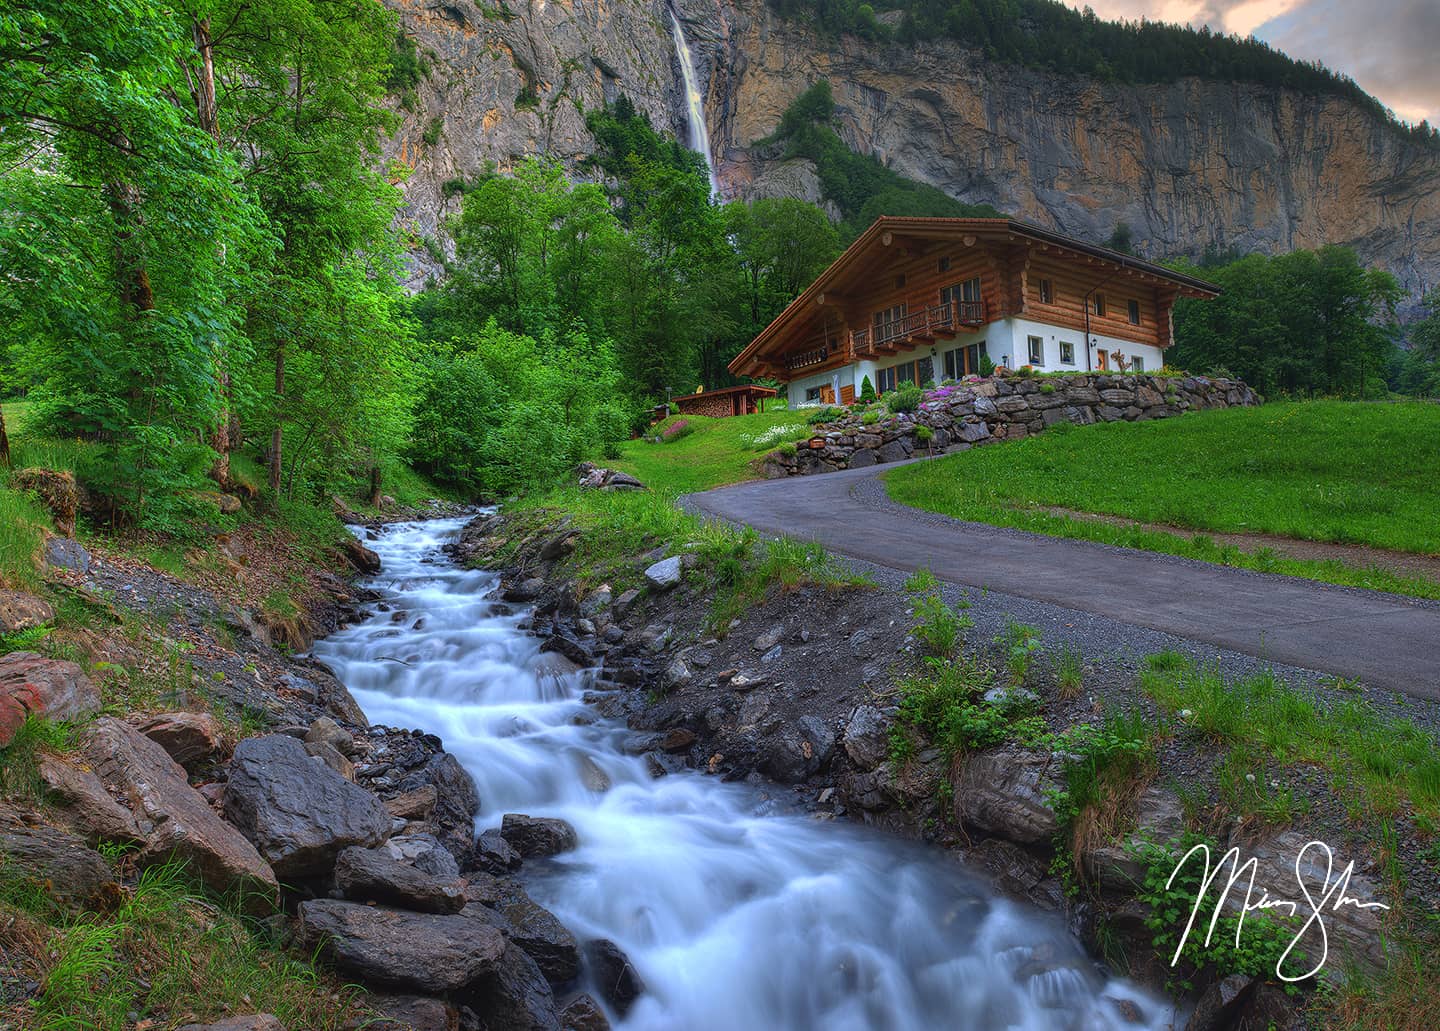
[
  {"x": 736, "y": 914},
  {"x": 699, "y": 134}
]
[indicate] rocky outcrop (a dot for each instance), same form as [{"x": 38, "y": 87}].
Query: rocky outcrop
[
  {"x": 298, "y": 812},
  {"x": 21, "y": 611},
  {"x": 192, "y": 739},
  {"x": 1188, "y": 165},
  {"x": 32, "y": 685},
  {"x": 60, "y": 865},
  {"x": 533, "y": 836},
  {"x": 173, "y": 817},
  {"x": 370, "y": 875},
  {"x": 1001, "y": 408},
  {"x": 429, "y": 953}
]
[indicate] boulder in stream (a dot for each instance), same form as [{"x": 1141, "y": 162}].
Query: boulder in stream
[{"x": 537, "y": 836}]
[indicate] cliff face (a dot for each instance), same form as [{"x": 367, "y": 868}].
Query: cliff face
[
  {"x": 502, "y": 81},
  {"x": 1186, "y": 165}
]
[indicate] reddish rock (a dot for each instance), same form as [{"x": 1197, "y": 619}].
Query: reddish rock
[
  {"x": 21, "y": 611},
  {"x": 174, "y": 817},
  {"x": 31, "y": 684},
  {"x": 191, "y": 738}
]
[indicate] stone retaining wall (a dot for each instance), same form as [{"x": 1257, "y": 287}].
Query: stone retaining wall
[{"x": 1001, "y": 408}]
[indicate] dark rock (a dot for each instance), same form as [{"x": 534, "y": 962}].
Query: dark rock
[
  {"x": 299, "y": 813},
  {"x": 371, "y": 875},
  {"x": 616, "y": 978},
  {"x": 361, "y": 557},
  {"x": 891, "y": 452},
  {"x": 67, "y": 553},
  {"x": 677, "y": 739},
  {"x": 513, "y": 995},
  {"x": 867, "y": 737},
  {"x": 526, "y": 590},
  {"x": 253, "y": 1022},
  {"x": 425, "y": 853},
  {"x": 32, "y": 685},
  {"x": 414, "y": 805},
  {"x": 570, "y": 648},
  {"x": 327, "y": 731},
  {"x": 543, "y": 937},
  {"x": 1003, "y": 792},
  {"x": 193, "y": 739},
  {"x": 536, "y": 836},
  {"x": 331, "y": 757},
  {"x": 61, "y": 865},
  {"x": 424, "y": 952},
  {"x": 583, "y": 1013},
  {"x": 177, "y": 822},
  {"x": 797, "y": 750},
  {"x": 412, "y": 1013},
  {"x": 1221, "y": 1004},
  {"x": 493, "y": 854},
  {"x": 457, "y": 799}
]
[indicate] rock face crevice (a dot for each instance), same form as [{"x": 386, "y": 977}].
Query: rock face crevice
[{"x": 1189, "y": 165}]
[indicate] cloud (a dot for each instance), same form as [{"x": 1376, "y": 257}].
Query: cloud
[{"x": 1387, "y": 46}]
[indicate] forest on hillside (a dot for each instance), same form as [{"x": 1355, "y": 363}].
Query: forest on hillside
[{"x": 1053, "y": 36}]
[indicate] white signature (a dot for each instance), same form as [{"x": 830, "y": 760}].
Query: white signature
[{"x": 1331, "y": 900}]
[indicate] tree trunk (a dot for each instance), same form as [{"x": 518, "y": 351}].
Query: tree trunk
[
  {"x": 207, "y": 113},
  {"x": 277, "y": 437},
  {"x": 4, "y": 440},
  {"x": 374, "y": 485}
]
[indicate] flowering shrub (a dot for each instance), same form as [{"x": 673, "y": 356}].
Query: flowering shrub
[
  {"x": 676, "y": 430},
  {"x": 774, "y": 435}
]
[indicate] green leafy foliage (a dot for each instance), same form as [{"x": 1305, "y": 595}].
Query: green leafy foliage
[
  {"x": 1303, "y": 323},
  {"x": 1020, "y": 643},
  {"x": 938, "y": 625},
  {"x": 867, "y": 391},
  {"x": 906, "y": 398}
]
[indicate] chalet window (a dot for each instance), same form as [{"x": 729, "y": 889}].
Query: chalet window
[
  {"x": 905, "y": 373},
  {"x": 887, "y": 322},
  {"x": 963, "y": 361},
  {"x": 962, "y": 292},
  {"x": 812, "y": 394},
  {"x": 1047, "y": 292},
  {"x": 887, "y": 380},
  {"x": 900, "y": 281},
  {"x": 1134, "y": 313},
  {"x": 1037, "y": 350},
  {"x": 945, "y": 263},
  {"x": 924, "y": 370},
  {"x": 1137, "y": 363},
  {"x": 1067, "y": 353},
  {"x": 1097, "y": 305}
]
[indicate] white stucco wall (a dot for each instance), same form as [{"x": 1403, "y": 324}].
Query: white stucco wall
[
  {"x": 1010, "y": 338},
  {"x": 1006, "y": 343}
]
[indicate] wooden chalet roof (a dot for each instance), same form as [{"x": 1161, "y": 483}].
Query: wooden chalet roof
[
  {"x": 857, "y": 263},
  {"x": 744, "y": 388}
]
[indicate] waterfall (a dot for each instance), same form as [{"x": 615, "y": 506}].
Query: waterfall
[{"x": 698, "y": 132}]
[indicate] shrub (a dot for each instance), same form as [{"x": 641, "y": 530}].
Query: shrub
[
  {"x": 1020, "y": 642},
  {"x": 937, "y": 625},
  {"x": 869, "y": 418},
  {"x": 1047, "y": 388},
  {"x": 906, "y": 398},
  {"x": 1025, "y": 371},
  {"x": 787, "y": 449},
  {"x": 824, "y": 415},
  {"x": 867, "y": 391},
  {"x": 676, "y": 430},
  {"x": 924, "y": 434},
  {"x": 987, "y": 367}
]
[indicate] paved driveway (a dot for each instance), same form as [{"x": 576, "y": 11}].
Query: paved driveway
[{"x": 1386, "y": 640}]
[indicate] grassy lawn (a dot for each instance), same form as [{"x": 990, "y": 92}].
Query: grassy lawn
[
  {"x": 715, "y": 451},
  {"x": 1323, "y": 471}
]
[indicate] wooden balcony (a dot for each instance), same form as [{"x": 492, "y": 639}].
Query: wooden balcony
[
  {"x": 909, "y": 331},
  {"x": 805, "y": 359}
]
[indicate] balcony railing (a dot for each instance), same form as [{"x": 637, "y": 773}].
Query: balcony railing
[
  {"x": 805, "y": 359},
  {"x": 922, "y": 325}
]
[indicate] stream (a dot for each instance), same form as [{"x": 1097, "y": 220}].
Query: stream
[{"x": 737, "y": 912}]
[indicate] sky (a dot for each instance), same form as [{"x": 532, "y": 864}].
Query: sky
[{"x": 1389, "y": 47}]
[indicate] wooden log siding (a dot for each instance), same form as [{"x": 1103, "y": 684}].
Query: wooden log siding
[{"x": 905, "y": 266}]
